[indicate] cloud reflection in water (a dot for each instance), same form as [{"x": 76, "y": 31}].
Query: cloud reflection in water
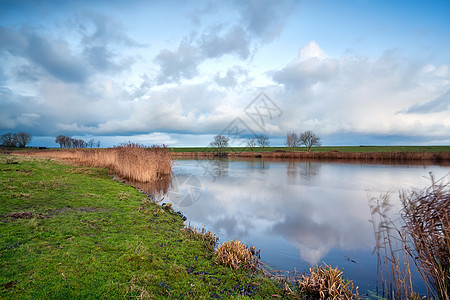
[{"x": 314, "y": 207}]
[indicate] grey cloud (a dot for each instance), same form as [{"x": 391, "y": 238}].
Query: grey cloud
[
  {"x": 56, "y": 58},
  {"x": 179, "y": 64},
  {"x": 234, "y": 41},
  {"x": 264, "y": 19},
  {"x": 183, "y": 62},
  {"x": 99, "y": 30},
  {"x": 100, "y": 35},
  {"x": 230, "y": 79},
  {"x": 53, "y": 56},
  {"x": 27, "y": 73},
  {"x": 439, "y": 104},
  {"x": 10, "y": 41},
  {"x": 17, "y": 111},
  {"x": 102, "y": 59}
]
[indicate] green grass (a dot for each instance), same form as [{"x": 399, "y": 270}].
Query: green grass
[
  {"x": 74, "y": 233},
  {"x": 329, "y": 148}
]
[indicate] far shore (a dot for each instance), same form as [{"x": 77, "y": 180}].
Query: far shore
[{"x": 382, "y": 153}]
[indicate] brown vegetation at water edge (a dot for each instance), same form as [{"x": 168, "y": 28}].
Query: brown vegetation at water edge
[
  {"x": 325, "y": 282},
  {"x": 236, "y": 254},
  {"x": 329, "y": 155},
  {"x": 423, "y": 239},
  {"x": 131, "y": 161}
]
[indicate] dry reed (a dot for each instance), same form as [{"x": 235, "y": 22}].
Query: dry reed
[
  {"x": 326, "y": 282},
  {"x": 131, "y": 161},
  {"x": 393, "y": 269},
  {"x": 423, "y": 238},
  {"x": 236, "y": 254},
  {"x": 426, "y": 220}
]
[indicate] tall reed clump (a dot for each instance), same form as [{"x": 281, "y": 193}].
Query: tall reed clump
[
  {"x": 236, "y": 254},
  {"x": 426, "y": 220},
  {"x": 131, "y": 161},
  {"x": 423, "y": 238},
  {"x": 326, "y": 282},
  {"x": 139, "y": 163}
]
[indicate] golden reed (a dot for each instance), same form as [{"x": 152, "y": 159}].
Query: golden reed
[{"x": 131, "y": 161}]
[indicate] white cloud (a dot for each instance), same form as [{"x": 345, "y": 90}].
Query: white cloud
[{"x": 362, "y": 95}]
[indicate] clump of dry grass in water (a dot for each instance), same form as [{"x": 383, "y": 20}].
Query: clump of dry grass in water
[
  {"x": 325, "y": 282},
  {"x": 236, "y": 254}
]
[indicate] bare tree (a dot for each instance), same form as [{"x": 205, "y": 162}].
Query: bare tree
[
  {"x": 98, "y": 144},
  {"x": 251, "y": 143},
  {"x": 292, "y": 140},
  {"x": 23, "y": 138},
  {"x": 220, "y": 142},
  {"x": 68, "y": 141},
  {"x": 61, "y": 140},
  {"x": 262, "y": 141},
  {"x": 309, "y": 139},
  {"x": 91, "y": 143},
  {"x": 8, "y": 140}
]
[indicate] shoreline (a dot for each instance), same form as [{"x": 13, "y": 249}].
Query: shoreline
[{"x": 400, "y": 156}]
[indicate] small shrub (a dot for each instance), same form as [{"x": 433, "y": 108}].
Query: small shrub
[
  {"x": 325, "y": 282},
  {"x": 236, "y": 254}
]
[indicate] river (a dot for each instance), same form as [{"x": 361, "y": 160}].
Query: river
[{"x": 299, "y": 213}]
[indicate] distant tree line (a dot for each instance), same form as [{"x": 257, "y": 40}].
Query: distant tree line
[
  {"x": 68, "y": 142},
  {"x": 307, "y": 138},
  {"x": 20, "y": 139}
]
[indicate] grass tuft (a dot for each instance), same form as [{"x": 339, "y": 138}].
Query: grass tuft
[
  {"x": 236, "y": 254},
  {"x": 326, "y": 282}
]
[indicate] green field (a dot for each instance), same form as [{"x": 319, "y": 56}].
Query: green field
[
  {"x": 328, "y": 148},
  {"x": 72, "y": 232}
]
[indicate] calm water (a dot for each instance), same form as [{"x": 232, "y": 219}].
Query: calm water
[{"x": 300, "y": 213}]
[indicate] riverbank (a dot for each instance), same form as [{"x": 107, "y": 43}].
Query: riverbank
[
  {"x": 358, "y": 149},
  {"x": 73, "y": 232},
  {"x": 400, "y": 156}
]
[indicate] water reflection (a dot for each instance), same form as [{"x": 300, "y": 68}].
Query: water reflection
[
  {"x": 157, "y": 190},
  {"x": 305, "y": 169},
  {"x": 299, "y": 213}
]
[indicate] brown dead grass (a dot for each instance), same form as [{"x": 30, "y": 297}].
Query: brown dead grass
[
  {"x": 423, "y": 240},
  {"x": 131, "y": 161},
  {"x": 426, "y": 221},
  {"x": 236, "y": 254},
  {"x": 326, "y": 282}
]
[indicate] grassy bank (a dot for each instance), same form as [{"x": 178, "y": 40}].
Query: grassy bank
[
  {"x": 326, "y": 149},
  {"x": 72, "y": 232}
]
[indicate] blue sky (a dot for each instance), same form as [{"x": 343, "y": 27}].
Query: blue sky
[{"x": 179, "y": 72}]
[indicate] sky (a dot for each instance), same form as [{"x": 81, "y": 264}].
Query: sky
[{"x": 356, "y": 72}]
